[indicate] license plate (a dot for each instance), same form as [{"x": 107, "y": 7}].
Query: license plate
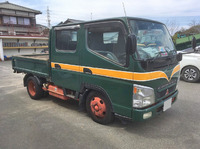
[{"x": 167, "y": 104}]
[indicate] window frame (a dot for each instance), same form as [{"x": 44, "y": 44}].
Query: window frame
[
  {"x": 11, "y": 20},
  {"x": 29, "y": 21},
  {"x": 16, "y": 22},
  {"x": 66, "y": 28},
  {"x": 8, "y": 21},
  {"x": 108, "y": 23},
  {"x": 22, "y": 19}
]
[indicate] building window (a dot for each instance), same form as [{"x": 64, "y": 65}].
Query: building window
[
  {"x": 23, "y": 21},
  {"x": 6, "y": 19},
  {"x": 26, "y": 21},
  {"x": 20, "y": 21},
  {"x": 66, "y": 40},
  {"x": 16, "y": 20},
  {"x": 9, "y": 20},
  {"x": 13, "y": 20}
]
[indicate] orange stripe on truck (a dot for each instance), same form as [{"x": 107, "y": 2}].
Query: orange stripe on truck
[
  {"x": 111, "y": 73},
  {"x": 125, "y": 75},
  {"x": 149, "y": 76},
  {"x": 175, "y": 70}
]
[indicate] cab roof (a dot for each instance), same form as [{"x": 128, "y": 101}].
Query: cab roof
[{"x": 109, "y": 19}]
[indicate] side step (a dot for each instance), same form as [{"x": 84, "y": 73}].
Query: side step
[{"x": 57, "y": 92}]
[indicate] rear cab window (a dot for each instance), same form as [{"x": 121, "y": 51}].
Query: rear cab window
[{"x": 66, "y": 38}]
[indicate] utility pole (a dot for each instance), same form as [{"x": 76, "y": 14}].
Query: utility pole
[
  {"x": 48, "y": 18},
  {"x": 91, "y": 16}
]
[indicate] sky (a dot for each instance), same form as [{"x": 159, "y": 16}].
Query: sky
[{"x": 61, "y": 10}]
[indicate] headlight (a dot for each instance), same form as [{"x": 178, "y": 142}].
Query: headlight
[{"x": 142, "y": 96}]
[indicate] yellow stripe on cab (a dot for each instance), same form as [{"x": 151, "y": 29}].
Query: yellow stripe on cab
[{"x": 125, "y": 75}]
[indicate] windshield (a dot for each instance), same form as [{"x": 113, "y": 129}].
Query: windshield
[{"x": 153, "y": 40}]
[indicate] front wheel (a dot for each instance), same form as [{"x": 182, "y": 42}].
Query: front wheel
[
  {"x": 99, "y": 108},
  {"x": 190, "y": 74}
]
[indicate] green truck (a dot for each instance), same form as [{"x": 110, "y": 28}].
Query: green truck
[
  {"x": 126, "y": 67},
  {"x": 185, "y": 42}
]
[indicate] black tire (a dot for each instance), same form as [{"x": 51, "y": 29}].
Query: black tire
[
  {"x": 101, "y": 111},
  {"x": 190, "y": 74},
  {"x": 34, "y": 90}
]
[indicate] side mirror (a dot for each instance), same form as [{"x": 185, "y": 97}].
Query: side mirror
[
  {"x": 131, "y": 44},
  {"x": 179, "y": 57},
  {"x": 194, "y": 43}
]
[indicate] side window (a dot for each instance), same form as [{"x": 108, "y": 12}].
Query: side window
[
  {"x": 108, "y": 40},
  {"x": 66, "y": 40}
]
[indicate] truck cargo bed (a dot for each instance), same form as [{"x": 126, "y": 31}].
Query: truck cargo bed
[{"x": 37, "y": 64}]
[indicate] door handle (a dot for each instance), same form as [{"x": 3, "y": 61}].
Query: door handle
[
  {"x": 87, "y": 70},
  {"x": 57, "y": 66}
]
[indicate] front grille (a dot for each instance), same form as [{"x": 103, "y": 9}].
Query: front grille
[
  {"x": 164, "y": 92},
  {"x": 173, "y": 81}
]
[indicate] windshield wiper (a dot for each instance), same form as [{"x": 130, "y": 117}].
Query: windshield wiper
[
  {"x": 154, "y": 58},
  {"x": 150, "y": 60}
]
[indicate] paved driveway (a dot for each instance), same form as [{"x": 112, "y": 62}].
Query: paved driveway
[{"x": 53, "y": 124}]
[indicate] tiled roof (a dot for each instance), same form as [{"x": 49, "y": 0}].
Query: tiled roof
[
  {"x": 7, "y": 5},
  {"x": 68, "y": 21}
]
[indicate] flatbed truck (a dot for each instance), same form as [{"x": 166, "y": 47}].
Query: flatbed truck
[{"x": 126, "y": 67}]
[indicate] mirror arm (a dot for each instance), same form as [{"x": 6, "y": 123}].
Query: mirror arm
[{"x": 187, "y": 53}]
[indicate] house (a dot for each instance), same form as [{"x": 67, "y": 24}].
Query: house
[
  {"x": 19, "y": 33},
  {"x": 70, "y": 21},
  {"x": 18, "y": 20}
]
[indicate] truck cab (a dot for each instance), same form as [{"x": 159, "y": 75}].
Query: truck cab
[{"x": 126, "y": 67}]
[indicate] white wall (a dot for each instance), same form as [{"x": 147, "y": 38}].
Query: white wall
[
  {"x": 1, "y": 50},
  {"x": 16, "y": 51}
]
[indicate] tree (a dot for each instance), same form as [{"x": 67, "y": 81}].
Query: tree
[
  {"x": 172, "y": 26},
  {"x": 194, "y": 22},
  {"x": 194, "y": 29}
]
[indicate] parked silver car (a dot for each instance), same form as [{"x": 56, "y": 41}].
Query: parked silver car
[{"x": 190, "y": 67}]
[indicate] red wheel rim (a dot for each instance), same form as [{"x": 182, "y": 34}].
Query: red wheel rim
[
  {"x": 98, "y": 107},
  {"x": 31, "y": 88}
]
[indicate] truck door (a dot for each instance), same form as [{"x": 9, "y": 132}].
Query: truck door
[
  {"x": 105, "y": 63},
  {"x": 65, "y": 57}
]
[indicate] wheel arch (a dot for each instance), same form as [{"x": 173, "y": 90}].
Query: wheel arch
[
  {"x": 189, "y": 66},
  {"x": 40, "y": 81},
  {"x": 86, "y": 89}
]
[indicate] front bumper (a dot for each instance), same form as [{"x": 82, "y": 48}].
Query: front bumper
[{"x": 138, "y": 114}]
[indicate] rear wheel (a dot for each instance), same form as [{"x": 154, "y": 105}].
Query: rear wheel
[
  {"x": 35, "y": 91},
  {"x": 99, "y": 108},
  {"x": 190, "y": 74}
]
